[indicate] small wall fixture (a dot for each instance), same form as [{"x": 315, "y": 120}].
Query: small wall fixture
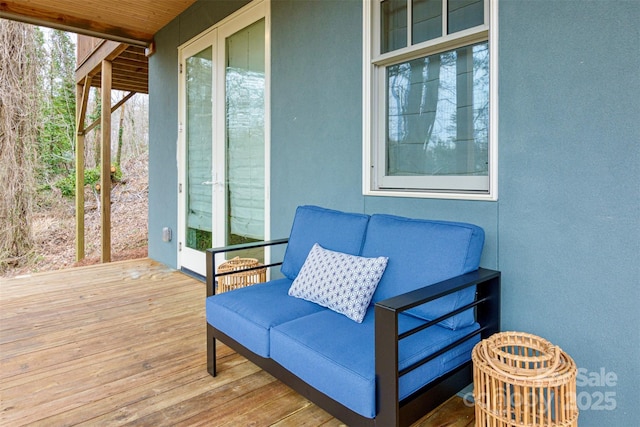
[{"x": 166, "y": 234}]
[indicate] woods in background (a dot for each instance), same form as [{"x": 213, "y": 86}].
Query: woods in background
[
  {"x": 20, "y": 83},
  {"x": 37, "y": 130}
]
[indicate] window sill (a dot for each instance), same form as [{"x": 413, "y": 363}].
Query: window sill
[{"x": 488, "y": 197}]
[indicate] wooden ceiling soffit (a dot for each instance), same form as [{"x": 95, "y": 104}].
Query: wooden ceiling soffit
[
  {"x": 130, "y": 71},
  {"x": 108, "y": 50},
  {"x": 20, "y": 11},
  {"x": 124, "y": 80}
]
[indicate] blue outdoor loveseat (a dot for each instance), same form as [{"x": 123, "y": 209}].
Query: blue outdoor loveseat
[{"x": 374, "y": 319}]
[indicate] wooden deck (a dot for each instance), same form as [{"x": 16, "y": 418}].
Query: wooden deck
[{"x": 124, "y": 344}]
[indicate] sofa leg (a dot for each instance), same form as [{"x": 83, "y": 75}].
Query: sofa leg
[{"x": 211, "y": 351}]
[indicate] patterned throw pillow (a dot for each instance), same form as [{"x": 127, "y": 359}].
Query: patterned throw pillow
[{"x": 342, "y": 282}]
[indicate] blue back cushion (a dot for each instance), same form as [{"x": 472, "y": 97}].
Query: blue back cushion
[
  {"x": 333, "y": 230},
  {"x": 422, "y": 253}
]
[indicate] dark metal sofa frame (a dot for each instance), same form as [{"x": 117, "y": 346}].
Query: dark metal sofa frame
[{"x": 391, "y": 410}]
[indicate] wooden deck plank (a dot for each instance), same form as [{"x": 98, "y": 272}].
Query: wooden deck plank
[
  {"x": 217, "y": 407},
  {"x": 140, "y": 402},
  {"x": 39, "y": 338},
  {"x": 100, "y": 380},
  {"x": 123, "y": 344},
  {"x": 453, "y": 413},
  {"x": 307, "y": 416}
]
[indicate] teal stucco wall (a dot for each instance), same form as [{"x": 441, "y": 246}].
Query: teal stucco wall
[
  {"x": 565, "y": 231},
  {"x": 569, "y": 208}
]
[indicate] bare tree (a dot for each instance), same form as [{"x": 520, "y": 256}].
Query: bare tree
[
  {"x": 120, "y": 134},
  {"x": 19, "y": 88}
]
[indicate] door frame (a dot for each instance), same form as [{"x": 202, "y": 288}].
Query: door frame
[{"x": 215, "y": 36}]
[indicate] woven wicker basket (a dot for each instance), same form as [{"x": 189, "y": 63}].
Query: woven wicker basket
[
  {"x": 240, "y": 278},
  {"x": 523, "y": 380}
]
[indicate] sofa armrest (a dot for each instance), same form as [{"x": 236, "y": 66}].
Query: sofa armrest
[
  {"x": 486, "y": 303},
  {"x": 484, "y": 278},
  {"x": 211, "y": 254}
]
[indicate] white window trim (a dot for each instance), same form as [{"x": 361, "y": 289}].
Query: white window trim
[{"x": 370, "y": 96}]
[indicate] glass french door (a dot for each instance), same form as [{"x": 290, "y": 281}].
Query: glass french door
[{"x": 223, "y": 142}]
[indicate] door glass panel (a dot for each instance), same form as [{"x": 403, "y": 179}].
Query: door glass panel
[
  {"x": 245, "y": 135},
  {"x": 199, "y": 115}
]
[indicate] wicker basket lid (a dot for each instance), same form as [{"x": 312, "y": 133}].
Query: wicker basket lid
[
  {"x": 236, "y": 264},
  {"x": 523, "y": 356}
]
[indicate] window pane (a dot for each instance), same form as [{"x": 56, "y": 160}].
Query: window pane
[
  {"x": 463, "y": 14},
  {"x": 393, "y": 24},
  {"x": 199, "y": 81},
  {"x": 427, "y": 20},
  {"x": 245, "y": 84},
  {"x": 438, "y": 114}
]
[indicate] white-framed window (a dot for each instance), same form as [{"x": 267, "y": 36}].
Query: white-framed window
[{"x": 430, "y": 98}]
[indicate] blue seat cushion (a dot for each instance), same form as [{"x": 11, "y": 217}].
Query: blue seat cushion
[
  {"x": 247, "y": 314},
  {"x": 421, "y": 253},
  {"x": 333, "y": 230},
  {"x": 336, "y": 355}
]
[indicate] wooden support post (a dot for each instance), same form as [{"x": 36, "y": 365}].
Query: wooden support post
[
  {"x": 82, "y": 96},
  {"x": 105, "y": 167}
]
